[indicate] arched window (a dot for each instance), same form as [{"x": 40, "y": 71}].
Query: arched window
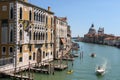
[
  {"x": 11, "y": 36},
  {"x": 39, "y": 17},
  {"x": 46, "y": 36},
  {"x": 11, "y": 13},
  {"x": 30, "y": 15},
  {"x": 43, "y": 18},
  {"x": 51, "y": 36},
  {"x": 34, "y": 56},
  {"x": 20, "y": 12},
  {"x": 34, "y": 15},
  {"x": 30, "y": 35},
  {"x": 46, "y": 19},
  {"x": 39, "y": 36},
  {"x": 34, "y": 36},
  {"x": 43, "y": 36},
  {"x": 20, "y": 34},
  {"x": 43, "y": 54},
  {"x": 20, "y": 59},
  {"x": 11, "y": 49}
]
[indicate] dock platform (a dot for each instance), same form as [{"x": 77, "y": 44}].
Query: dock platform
[
  {"x": 40, "y": 70},
  {"x": 20, "y": 77},
  {"x": 60, "y": 67}
]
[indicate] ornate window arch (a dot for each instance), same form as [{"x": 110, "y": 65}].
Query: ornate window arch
[
  {"x": 20, "y": 33},
  {"x": 21, "y": 13}
]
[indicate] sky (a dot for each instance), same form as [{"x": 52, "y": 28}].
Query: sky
[{"x": 82, "y": 13}]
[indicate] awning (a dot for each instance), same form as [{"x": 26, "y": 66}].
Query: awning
[{"x": 63, "y": 40}]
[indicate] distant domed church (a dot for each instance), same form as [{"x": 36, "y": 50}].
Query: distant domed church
[
  {"x": 100, "y": 31},
  {"x": 92, "y": 30}
]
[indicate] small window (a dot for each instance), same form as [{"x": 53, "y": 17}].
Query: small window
[
  {"x": 4, "y": 50},
  {"x": 30, "y": 57},
  {"x": 46, "y": 54},
  {"x": 11, "y": 13},
  {"x": 34, "y": 56},
  {"x": 11, "y": 49},
  {"x": 30, "y": 48},
  {"x": 30, "y": 15},
  {"x": 20, "y": 34},
  {"x": 20, "y": 49},
  {"x": 20, "y": 59},
  {"x": 51, "y": 53},
  {"x": 20, "y": 12},
  {"x": 4, "y": 8},
  {"x": 43, "y": 54}
]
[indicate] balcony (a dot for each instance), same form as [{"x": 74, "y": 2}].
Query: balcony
[{"x": 37, "y": 41}]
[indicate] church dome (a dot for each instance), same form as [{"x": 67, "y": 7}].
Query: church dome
[{"x": 92, "y": 30}]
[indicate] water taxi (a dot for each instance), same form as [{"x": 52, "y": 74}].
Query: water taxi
[
  {"x": 69, "y": 71},
  {"x": 100, "y": 70},
  {"x": 93, "y": 55}
]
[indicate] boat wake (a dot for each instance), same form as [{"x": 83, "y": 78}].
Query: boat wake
[{"x": 101, "y": 69}]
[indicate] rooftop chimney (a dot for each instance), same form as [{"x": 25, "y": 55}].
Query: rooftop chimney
[{"x": 49, "y": 8}]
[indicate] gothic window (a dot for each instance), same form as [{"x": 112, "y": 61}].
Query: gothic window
[
  {"x": 11, "y": 49},
  {"x": 20, "y": 59},
  {"x": 46, "y": 19},
  {"x": 30, "y": 57},
  {"x": 4, "y": 49},
  {"x": 34, "y": 36},
  {"x": 43, "y": 36},
  {"x": 34, "y": 56},
  {"x": 39, "y": 17},
  {"x": 46, "y": 54},
  {"x": 30, "y": 15},
  {"x": 20, "y": 49},
  {"x": 11, "y": 13},
  {"x": 43, "y": 18},
  {"x": 30, "y": 35},
  {"x": 46, "y": 36},
  {"x": 43, "y": 54},
  {"x": 34, "y": 16},
  {"x": 39, "y": 36},
  {"x": 11, "y": 36},
  {"x": 51, "y": 36},
  {"x": 20, "y": 34},
  {"x": 21, "y": 13},
  {"x": 30, "y": 48}
]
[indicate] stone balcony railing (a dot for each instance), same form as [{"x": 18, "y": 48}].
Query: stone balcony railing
[{"x": 37, "y": 41}]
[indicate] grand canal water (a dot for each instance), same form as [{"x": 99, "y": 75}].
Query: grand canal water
[{"x": 84, "y": 68}]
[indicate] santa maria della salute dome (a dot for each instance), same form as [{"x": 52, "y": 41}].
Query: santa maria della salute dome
[{"x": 92, "y": 30}]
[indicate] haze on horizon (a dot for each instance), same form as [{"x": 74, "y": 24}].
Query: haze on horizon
[{"x": 82, "y": 13}]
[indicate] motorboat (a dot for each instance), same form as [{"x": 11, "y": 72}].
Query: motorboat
[
  {"x": 93, "y": 55},
  {"x": 100, "y": 70},
  {"x": 69, "y": 71}
]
